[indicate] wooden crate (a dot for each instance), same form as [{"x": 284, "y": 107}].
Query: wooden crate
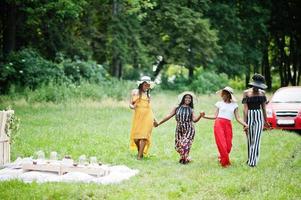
[{"x": 4, "y": 139}]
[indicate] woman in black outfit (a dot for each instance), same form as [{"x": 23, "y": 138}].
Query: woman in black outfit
[{"x": 254, "y": 101}]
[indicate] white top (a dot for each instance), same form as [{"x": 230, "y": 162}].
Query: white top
[{"x": 226, "y": 110}]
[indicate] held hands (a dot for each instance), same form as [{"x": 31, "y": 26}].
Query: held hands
[
  {"x": 155, "y": 123},
  {"x": 267, "y": 126},
  {"x": 246, "y": 128},
  {"x": 132, "y": 106},
  {"x": 202, "y": 114}
]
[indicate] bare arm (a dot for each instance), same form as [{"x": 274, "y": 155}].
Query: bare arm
[
  {"x": 196, "y": 118},
  {"x": 237, "y": 117},
  {"x": 212, "y": 117},
  {"x": 170, "y": 115},
  {"x": 132, "y": 102},
  {"x": 245, "y": 111}
]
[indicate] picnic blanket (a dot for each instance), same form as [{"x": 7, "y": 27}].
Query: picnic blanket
[{"x": 14, "y": 170}]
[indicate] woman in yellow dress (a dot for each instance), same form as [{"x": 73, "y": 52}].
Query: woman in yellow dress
[{"x": 143, "y": 118}]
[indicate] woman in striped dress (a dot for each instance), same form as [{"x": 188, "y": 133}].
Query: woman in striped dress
[
  {"x": 254, "y": 101},
  {"x": 185, "y": 131}
]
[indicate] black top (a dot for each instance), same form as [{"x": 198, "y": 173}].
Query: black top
[{"x": 254, "y": 102}]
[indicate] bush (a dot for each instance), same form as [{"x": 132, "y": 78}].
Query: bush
[
  {"x": 68, "y": 91},
  {"x": 52, "y": 92},
  {"x": 79, "y": 70},
  {"x": 175, "y": 82},
  {"x": 202, "y": 82},
  {"x": 208, "y": 81},
  {"x": 27, "y": 68},
  {"x": 237, "y": 83}
]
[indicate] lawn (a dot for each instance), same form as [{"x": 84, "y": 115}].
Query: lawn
[{"x": 101, "y": 128}]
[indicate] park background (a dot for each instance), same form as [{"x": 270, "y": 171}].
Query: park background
[{"x": 67, "y": 68}]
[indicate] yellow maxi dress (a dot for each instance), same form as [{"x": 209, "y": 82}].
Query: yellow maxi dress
[{"x": 142, "y": 123}]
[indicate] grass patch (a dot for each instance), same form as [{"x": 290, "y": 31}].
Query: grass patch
[{"x": 101, "y": 128}]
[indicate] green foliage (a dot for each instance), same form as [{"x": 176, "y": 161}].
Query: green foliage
[
  {"x": 52, "y": 92},
  {"x": 175, "y": 82},
  {"x": 83, "y": 70},
  {"x": 54, "y": 26},
  {"x": 237, "y": 83},
  {"x": 124, "y": 44},
  {"x": 26, "y": 68},
  {"x": 68, "y": 91},
  {"x": 241, "y": 36},
  {"x": 203, "y": 81},
  {"x": 128, "y": 37},
  {"x": 179, "y": 33}
]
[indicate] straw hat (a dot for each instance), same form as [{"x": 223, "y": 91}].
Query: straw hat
[
  {"x": 146, "y": 79},
  {"x": 230, "y": 90},
  {"x": 180, "y": 96},
  {"x": 258, "y": 81}
]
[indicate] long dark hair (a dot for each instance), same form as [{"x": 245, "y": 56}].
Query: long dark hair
[
  {"x": 140, "y": 91},
  {"x": 228, "y": 94},
  {"x": 183, "y": 101}
]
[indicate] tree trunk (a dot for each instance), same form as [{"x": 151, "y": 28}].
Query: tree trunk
[
  {"x": 119, "y": 75},
  {"x": 299, "y": 71},
  {"x": 256, "y": 68},
  {"x": 116, "y": 62},
  {"x": 160, "y": 66},
  {"x": 266, "y": 69},
  {"x": 293, "y": 59},
  {"x": 190, "y": 72},
  {"x": 281, "y": 60},
  {"x": 9, "y": 27},
  {"x": 247, "y": 76},
  {"x": 116, "y": 67},
  {"x": 298, "y": 58}
]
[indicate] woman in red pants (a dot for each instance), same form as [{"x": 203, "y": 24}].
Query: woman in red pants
[{"x": 226, "y": 109}]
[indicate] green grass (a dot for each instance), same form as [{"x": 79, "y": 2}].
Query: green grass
[{"x": 102, "y": 129}]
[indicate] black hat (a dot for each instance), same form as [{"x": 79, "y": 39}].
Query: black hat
[{"x": 258, "y": 81}]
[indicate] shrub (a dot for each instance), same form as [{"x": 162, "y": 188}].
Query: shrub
[
  {"x": 202, "y": 82},
  {"x": 79, "y": 70},
  {"x": 237, "y": 83},
  {"x": 68, "y": 91},
  {"x": 208, "y": 81},
  {"x": 27, "y": 68}
]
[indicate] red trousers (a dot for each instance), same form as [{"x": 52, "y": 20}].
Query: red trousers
[{"x": 223, "y": 139}]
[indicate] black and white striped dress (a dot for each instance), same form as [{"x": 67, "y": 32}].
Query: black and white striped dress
[
  {"x": 185, "y": 131},
  {"x": 255, "y": 121}
]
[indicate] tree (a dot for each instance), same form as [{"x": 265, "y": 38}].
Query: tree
[
  {"x": 224, "y": 16},
  {"x": 123, "y": 35},
  {"x": 179, "y": 34},
  {"x": 285, "y": 40}
]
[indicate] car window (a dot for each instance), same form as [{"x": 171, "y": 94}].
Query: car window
[{"x": 287, "y": 96}]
